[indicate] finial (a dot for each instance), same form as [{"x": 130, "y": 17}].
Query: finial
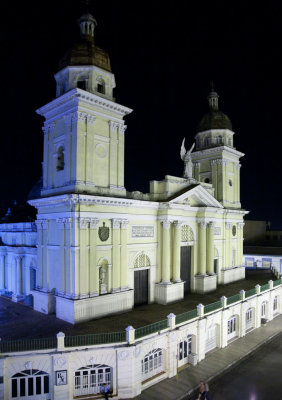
[{"x": 213, "y": 97}]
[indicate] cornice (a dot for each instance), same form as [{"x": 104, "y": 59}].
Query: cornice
[
  {"x": 78, "y": 96},
  {"x": 215, "y": 151}
]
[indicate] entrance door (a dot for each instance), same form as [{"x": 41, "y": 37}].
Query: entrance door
[
  {"x": 185, "y": 270},
  {"x": 211, "y": 338},
  {"x": 141, "y": 287}
]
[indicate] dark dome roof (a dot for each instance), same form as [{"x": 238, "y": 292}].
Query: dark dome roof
[
  {"x": 214, "y": 119},
  {"x": 85, "y": 52}
]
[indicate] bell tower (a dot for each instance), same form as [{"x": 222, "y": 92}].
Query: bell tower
[
  {"x": 216, "y": 161},
  {"x": 84, "y": 126}
]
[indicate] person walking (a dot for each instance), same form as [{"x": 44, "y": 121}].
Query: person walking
[{"x": 204, "y": 391}]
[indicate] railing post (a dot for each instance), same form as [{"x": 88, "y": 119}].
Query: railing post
[
  {"x": 171, "y": 321},
  {"x": 270, "y": 284},
  {"x": 200, "y": 310},
  {"x": 257, "y": 289},
  {"x": 223, "y": 300},
  {"x": 242, "y": 294},
  {"x": 130, "y": 334},
  {"x": 60, "y": 341}
]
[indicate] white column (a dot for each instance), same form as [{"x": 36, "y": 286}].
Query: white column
[
  {"x": 166, "y": 252},
  {"x": 113, "y": 162},
  {"x": 19, "y": 275},
  {"x": 214, "y": 177},
  {"x": 202, "y": 246},
  {"x": 45, "y": 255},
  {"x": 2, "y": 272},
  {"x": 68, "y": 257},
  {"x": 210, "y": 248},
  {"x": 120, "y": 177},
  {"x": 176, "y": 251},
  {"x": 39, "y": 272}
]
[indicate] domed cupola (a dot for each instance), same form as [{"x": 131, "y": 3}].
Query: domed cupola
[
  {"x": 86, "y": 66},
  {"x": 215, "y": 128}
]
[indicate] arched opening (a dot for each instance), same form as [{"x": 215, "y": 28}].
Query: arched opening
[
  {"x": 89, "y": 379},
  {"x": 250, "y": 319},
  {"x": 275, "y": 305},
  {"x": 101, "y": 86},
  {"x": 82, "y": 84},
  {"x": 211, "y": 338},
  {"x": 60, "y": 158},
  {"x": 30, "y": 383},
  {"x": 187, "y": 237},
  {"x": 215, "y": 261},
  {"x": 152, "y": 364},
  {"x": 232, "y": 327},
  {"x": 103, "y": 276},
  {"x": 186, "y": 347},
  {"x": 141, "y": 279}
]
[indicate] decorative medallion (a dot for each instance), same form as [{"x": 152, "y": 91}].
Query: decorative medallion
[
  {"x": 60, "y": 362},
  {"x": 100, "y": 150},
  {"x": 234, "y": 230},
  {"x": 104, "y": 232},
  {"x": 123, "y": 355}
]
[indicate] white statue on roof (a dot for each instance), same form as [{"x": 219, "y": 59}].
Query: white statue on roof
[{"x": 186, "y": 157}]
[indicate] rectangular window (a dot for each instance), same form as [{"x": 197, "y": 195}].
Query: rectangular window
[
  {"x": 14, "y": 388},
  {"x": 30, "y": 386},
  {"x": 38, "y": 385},
  {"x": 46, "y": 384},
  {"x": 22, "y": 387}
]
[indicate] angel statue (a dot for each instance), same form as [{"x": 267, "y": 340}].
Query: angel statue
[{"x": 186, "y": 157}]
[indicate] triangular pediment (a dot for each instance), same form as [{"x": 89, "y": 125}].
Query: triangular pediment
[{"x": 197, "y": 196}]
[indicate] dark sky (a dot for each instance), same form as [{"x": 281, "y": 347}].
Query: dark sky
[{"x": 163, "y": 54}]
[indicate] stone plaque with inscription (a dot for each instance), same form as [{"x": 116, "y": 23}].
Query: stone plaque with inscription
[{"x": 142, "y": 231}]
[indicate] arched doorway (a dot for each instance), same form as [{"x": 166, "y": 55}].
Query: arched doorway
[
  {"x": 89, "y": 379},
  {"x": 32, "y": 383},
  {"x": 187, "y": 237},
  {"x": 141, "y": 279}
]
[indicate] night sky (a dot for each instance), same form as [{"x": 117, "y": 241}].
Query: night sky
[{"x": 163, "y": 57}]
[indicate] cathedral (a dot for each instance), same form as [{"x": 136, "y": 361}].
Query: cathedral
[{"x": 95, "y": 248}]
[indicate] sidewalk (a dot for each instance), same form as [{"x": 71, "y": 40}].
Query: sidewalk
[{"x": 215, "y": 363}]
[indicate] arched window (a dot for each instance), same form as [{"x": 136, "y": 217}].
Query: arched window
[
  {"x": 231, "y": 328},
  {"x": 82, "y": 84},
  {"x": 275, "y": 305},
  {"x": 90, "y": 379},
  {"x": 142, "y": 261},
  {"x": 152, "y": 364},
  {"x": 60, "y": 158},
  {"x": 249, "y": 319},
  {"x": 30, "y": 383},
  {"x": 219, "y": 139},
  {"x": 186, "y": 234},
  {"x": 101, "y": 86},
  {"x": 263, "y": 309}
]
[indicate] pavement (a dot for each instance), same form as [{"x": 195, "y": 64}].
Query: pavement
[
  {"x": 18, "y": 321},
  {"x": 216, "y": 364}
]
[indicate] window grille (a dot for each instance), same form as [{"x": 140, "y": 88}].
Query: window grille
[
  {"x": 249, "y": 319},
  {"x": 275, "y": 305},
  {"x": 142, "y": 261},
  {"x": 186, "y": 234},
  {"x": 263, "y": 309}
]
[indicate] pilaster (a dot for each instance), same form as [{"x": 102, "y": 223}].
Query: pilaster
[
  {"x": 45, "y": 255},
  {"x": 62, "y": 273},
  {"x": 68, "y": 256},
  {"x": 214, "y": 177},
  {"x": 116, "y": 256},
  {"x": 123, "y": 255},
  {"x": 197, "y": 171},
  {"x": 120, "y": 178},
  {"x": 94, "y": 270},
  {"x": 2, "y": 272},
  {"x": 113, "y": 156},
  {"x": 84, "y": 265}
]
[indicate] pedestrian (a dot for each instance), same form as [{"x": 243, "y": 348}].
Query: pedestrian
[
  {"x": 106, "y": 390},
  {"x": 204, "y": 391}
]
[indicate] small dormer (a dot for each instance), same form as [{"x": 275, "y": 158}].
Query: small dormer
[{"x": 86, "y": 66}]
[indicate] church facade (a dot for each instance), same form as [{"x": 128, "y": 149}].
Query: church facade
[{"x": 100, "y": 249}]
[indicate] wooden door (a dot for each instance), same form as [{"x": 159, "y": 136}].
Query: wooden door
[
  {"x": 185, "y": 269},
  {"x": 141, "y": 287}
]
